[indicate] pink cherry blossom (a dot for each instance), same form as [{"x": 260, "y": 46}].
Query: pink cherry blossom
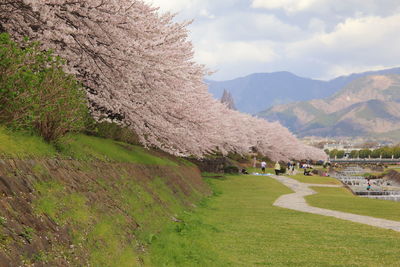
[{"x": 137, "y": 67}]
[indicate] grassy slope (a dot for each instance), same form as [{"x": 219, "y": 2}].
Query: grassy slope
[
  {"x": 109, "y": 236},
  {"x": 240, "y": 227},
  {"x": 83, "y": 147},
  {"x": 342, "y": 200},
  {"x": 19, "y": 145},
  {"x": 79, "y": 147}
]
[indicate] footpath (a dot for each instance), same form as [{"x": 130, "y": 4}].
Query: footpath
[{"x": 296, "y": 201}]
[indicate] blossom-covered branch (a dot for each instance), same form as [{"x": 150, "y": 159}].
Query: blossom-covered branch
[{"x": 138, "y": 68}]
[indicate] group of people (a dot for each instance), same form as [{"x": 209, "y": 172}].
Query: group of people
[
  {"x": 278, "y": 169},
  {"x": 290, "y": 168},
  {"x": 307, "y": 169}
]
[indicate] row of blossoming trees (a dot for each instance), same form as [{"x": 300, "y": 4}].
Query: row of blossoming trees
[{"x": 137, "y": 67}]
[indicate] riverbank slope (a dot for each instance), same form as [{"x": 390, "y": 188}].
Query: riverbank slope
[{"x": 88, "y": 202}]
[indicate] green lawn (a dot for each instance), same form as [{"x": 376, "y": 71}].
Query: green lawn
[
  {"x": 315, "y": 179},
  {"x": 267, "y": 170},
  {"x": 342, "y": 199},
  {"x": 240, "y": 227}
]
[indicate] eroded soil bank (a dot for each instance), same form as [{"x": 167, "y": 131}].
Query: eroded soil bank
[{"x": 73, "y": 213}]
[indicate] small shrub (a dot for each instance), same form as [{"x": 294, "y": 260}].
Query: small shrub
[
  {"x": 36, "y": 94},
  {"x": 110, "y": 131}
]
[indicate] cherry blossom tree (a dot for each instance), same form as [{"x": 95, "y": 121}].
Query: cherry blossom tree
[{"x": 137, "y": 67}]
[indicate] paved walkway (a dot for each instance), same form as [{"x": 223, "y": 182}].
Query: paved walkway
[{"x": 296, "y": 201}]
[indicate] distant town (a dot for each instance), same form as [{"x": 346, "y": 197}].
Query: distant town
[{"x": 354, "y": 148}]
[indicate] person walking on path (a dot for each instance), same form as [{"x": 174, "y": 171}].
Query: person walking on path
[
  {"x": 277, "y": 168},
  {"x": 263, "y": 166}
]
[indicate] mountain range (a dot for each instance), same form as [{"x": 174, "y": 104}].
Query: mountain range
[
  {"x": 367, "y": 106},
  {"x": 359, "y": 105},
  {"x": 260, "y": 91}
]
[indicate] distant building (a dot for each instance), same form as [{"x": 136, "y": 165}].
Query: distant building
[{"x": 334, "y": 146}]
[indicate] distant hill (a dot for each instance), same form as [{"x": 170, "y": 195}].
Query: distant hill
[
  {"x": 367, "y": 106},
  {"x": 261, "y": 91}
]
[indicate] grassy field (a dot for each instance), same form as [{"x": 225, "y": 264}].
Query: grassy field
[
  {"x": 343, "y": 200},
  {"x": 238, "y": 226},
  {"x": 315, "y": 179},
  {"x": 258, "y": 170}
]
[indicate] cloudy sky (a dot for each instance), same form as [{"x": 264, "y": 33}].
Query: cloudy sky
[{"x": 319, "y": 39}]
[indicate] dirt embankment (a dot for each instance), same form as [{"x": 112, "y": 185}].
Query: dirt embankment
[
  {"x": 70, "y": 213},
  {"x": 394, "y": 177}
]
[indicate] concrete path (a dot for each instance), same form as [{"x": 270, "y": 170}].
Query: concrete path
[{"x": 297, "y": 202}]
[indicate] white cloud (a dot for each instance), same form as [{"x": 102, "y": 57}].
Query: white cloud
[
  {"x": 317, "y": 26},
  {"x": 341, "y": 70},
  {"x": 173, "y": 5},
  {"x": 190, "y": 9},
  {"x": 205, "y": 13},
  {"x": 290, "y": 6},
  {"x": 331, "y": 7},
  {"x": 242, "y": 26},
  {"x": 235, "y": 52},
  {"x": 356, "y": 44},
  {"x": 313, "y": 38}
]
